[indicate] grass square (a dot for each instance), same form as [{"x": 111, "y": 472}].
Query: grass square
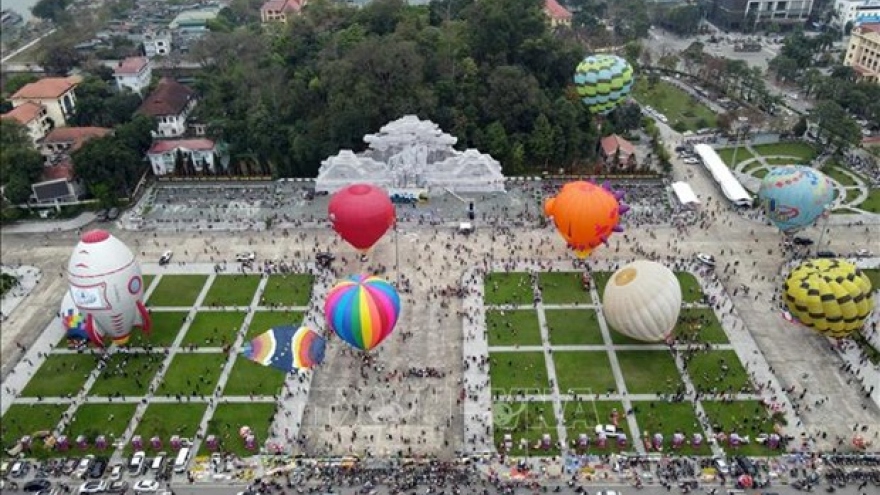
[
  {"x": 60, "y": 375},
  {"x": 513, "y": 371},
  {"x": 718, "y": 371},
  {"x": 193, "y": 374},
  {"x": 668, "y": 418},
  {"x": 288, "y": 290},
  {"x": 582, "y": 416},
  {"x": 248, "y": 377},
  {"x": 27, "y": 419},
  {"x": 166, "y": 326},
  {"x": 227, "y": 420},
  {"x": 167, "y": 419},
  {"x": 92, "y": 420},
  {"x": 178, "y": 291},
  {"x": 214, "y": 328},
  {"x": 129, "y": 374},
  {"x": 148, "y": 280},
  {"x": 232, "y": 290},
  {"x": 584, "y": 372},
  {"x": 747, "y": 418},
  {"x": 508, "y": 288},
  {"x": 649, "y": 372},
  {"x": 699, "y": 325},
  {"x": 802, "y": 152},
  {"x": 618, "y": 338},
  {"x": 690, "y": 287},
  {"x": 525, "y": 420},
  {"x": 563, "y": 288},
  {"x": 263, "y": 321},
  {"x": 573, "y": 327},
  {"x": 513, "y": 327},
  {"x": 600, "y": 279}
]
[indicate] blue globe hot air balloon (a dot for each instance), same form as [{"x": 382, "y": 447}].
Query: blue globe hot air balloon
[{"x": 795, "y": 196}]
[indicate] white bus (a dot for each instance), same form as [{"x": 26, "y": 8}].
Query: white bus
[{"x": 182, "y": 459}]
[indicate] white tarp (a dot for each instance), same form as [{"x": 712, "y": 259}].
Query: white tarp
[
  {"x": 685, "y": 194},
  {"x": 731, "y": 187}
]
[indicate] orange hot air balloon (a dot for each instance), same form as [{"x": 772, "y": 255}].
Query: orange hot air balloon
[{"x": 586, "y": 215}]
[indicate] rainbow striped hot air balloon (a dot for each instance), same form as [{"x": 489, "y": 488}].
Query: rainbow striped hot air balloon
[
  {"x": 362, "y": 310},
  {"x": 286, "y": 348}
]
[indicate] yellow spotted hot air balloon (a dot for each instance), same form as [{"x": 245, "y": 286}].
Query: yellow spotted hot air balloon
[{"x": 832, "y": 296}]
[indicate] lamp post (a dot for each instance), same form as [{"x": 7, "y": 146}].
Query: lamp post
[{"x": 741, "y": 126}]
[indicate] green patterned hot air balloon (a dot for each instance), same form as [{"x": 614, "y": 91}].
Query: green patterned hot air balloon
[{"x": 603, "y": 81}]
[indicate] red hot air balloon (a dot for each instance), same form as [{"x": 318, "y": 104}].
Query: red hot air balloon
[{"x": 361, "y": 214}]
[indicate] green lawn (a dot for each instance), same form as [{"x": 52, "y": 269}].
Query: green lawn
[
  {"x": 178, "y": 291},
  {"x": 872, "y": 203},
  {"x": 232, "y": 290},
  {"x": 563, "y": 288},
  {"x": 718, "y": 371},
  {"x": 752, "y": 166},
  {"x": 128, "y": 374},
  {"x": 525, "y": 420},
  {"x": 287, "y": 290},
  {"x": 263, "y": 321},
  {"x": 699, "y": 325},
  {"x": 513, "y": 327},
  {"x": 60, "y": 375},
  {"x": 668, "y": 418},
  {"x": 742, "y": 155},
  {"x": 28, "y": 419},
  {"x": 649, "y": 372},
  {"x": 777, "y": 161},
  {"x": 514, "y": 371},
  {"x": 227, "y": 420},
  {"x": 690, "y": 287},
  {"x": 213, "y": 328},
  {"x": 583, "y": 416},
  {"x": 166, "y": 326},
  {"x": 747, "y": 418},
  {"x": 584, "y": 372},
  {"x": 759, "y": 174},
  {"x": 874, "y": 276},
  {"x": 148, "y": 280},
  {"x": 248, "y": 377},
  {"x": 164, "y": 420},
  {"x": 677, "y": 105},
  {"x": 852, "y": 194},
  {"x": 802, "y": 152},
  {"x": 193, "y": 372},
  {"x": 573, "y": 327},
  {"x": 599, "y": 280},
  {"x": 839, "y": 176},
  {"x": 508, "y": 288},
  {"x": 92, "y": 420}
]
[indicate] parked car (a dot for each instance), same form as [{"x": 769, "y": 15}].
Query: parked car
[
  {"x": 98, "y": 468},
  {"x": 826, "y": 254},
  {"x": 721, "y": 465},
  {"x": 102, "y": 215},
  {"x": 137, "y": 462},
  {"x": 146, "y": 486},
  {"x": 93, "y": 486},
  {"x": 37, "y": 485},
  {"x": 20, "y": 469},
  {"x": 166, "y": 258},
  {"x": 70, "y": 466},
  {"x": 116, "y": 472},
  {"x": 863, "y": 253},
  {"x": 803, "y": 241},
  {"x": 113, "y": 213},
  {"x": 691, "y": 161},
  {"x": 118, "y": 487},
  {"x": 706, "y": 259},
  {"x": 246, "y": 257},
  {"x": 83, "y": 467}
]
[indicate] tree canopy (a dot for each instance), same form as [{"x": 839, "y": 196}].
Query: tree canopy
[
  {"x": 489, "y": 72},
  {"x": 20, "y": 164}
]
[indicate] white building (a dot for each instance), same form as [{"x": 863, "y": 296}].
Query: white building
[
  {"x": 170, "y": 104},
  {"x": 173, "y": 156},
  {"x": 133, "y": 73},
  {"x": 157, "y": 44},
  {"x": 853, "y": 11},
  {"x": 33, "y": 117},
  {"x": 55, "y": 94}
]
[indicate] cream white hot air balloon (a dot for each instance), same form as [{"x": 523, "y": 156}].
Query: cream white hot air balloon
[{"x": 642, "y": 300}]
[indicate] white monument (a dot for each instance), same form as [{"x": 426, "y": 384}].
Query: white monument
[{"x": 409, "y": 154}]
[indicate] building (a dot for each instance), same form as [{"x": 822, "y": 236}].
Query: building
[
  {"x": 66, "y": 140},
  {"x": 56, "y": 94},
  {"x": 157, "y": 44},
  {"x": 850, "y": 12},
  {"x": 184, "y": 156},
  {"x": 133, "y": 73},
  {"x": 170, "y": 104},
  {"x": 34, "y": 117},
  {"x": 618, "y": 152},
  {"x": 557, "y": 14},
  {"x": 748, "y": 15},
  {"x": 194, "y": 20},
  {"x": 278, "y": 10},
  {"x": 863, "y": 52}
]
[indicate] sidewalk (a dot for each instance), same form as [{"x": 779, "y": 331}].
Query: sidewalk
[{"x": 49, "y": 226}]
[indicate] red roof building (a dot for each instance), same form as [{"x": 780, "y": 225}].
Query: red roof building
[
  {"x": 56, "y": 94},
  {"x": 170, "y": 104},
  {"x": 278, "y": 10},
  {"x": 69, "y": 139},
  {"x": 34, "y": 117},
  {"x": 558, "y": 15},
  {"x": 617, "y": 151},
  {"x": 183, "y": 156}
]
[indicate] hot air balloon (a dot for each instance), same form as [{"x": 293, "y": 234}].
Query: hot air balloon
[
  {"x": 831, "y": 296},
  {"x": 361, "y": 214},
  {"x": 795, "y": 196},
  {"x": 362, "y": 310},
  {"x": 603, "y": 82},
  {"x": 642, "y": 300},
  {"x": 75, "y": 325},
  {"x": 287, "y": 348},
  {"x": 586, "y": 214},
  {"x": 106, "y": 287}
]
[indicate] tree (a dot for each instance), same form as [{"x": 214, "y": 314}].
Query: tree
[
  {"x": 835, "y": 128},
  {"x": 51, "y": 10},
  {"x": 59, "y": 58},
  {"x": 17, "y": 81},
  {"x": 541, "y": 141},
  {"x": 20, "y": 164},
  {"x": 107, "y": 161},
  {"x": 683, "y": 20}
]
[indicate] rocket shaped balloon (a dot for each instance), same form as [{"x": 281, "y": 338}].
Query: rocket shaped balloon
[{"x": 106, "y": 288}]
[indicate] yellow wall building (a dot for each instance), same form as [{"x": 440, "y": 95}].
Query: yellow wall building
[{"x": 863, "y": 52}]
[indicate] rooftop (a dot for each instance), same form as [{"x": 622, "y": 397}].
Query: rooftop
[
  {"x": 610, "y": 145},
  {"x": 555, "y": 10},
  {"x": 284, "y": 5},
  {"x": 871, "y": 27},
  {"x": 75, "y": 135},
  {"x": 169, "y": 98},
  {"x": 131, "y": 66},
  {"x": 24, "y": 113},
  {"x": 49, "y": 87},
  {"x": 165, "y": 146}
]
